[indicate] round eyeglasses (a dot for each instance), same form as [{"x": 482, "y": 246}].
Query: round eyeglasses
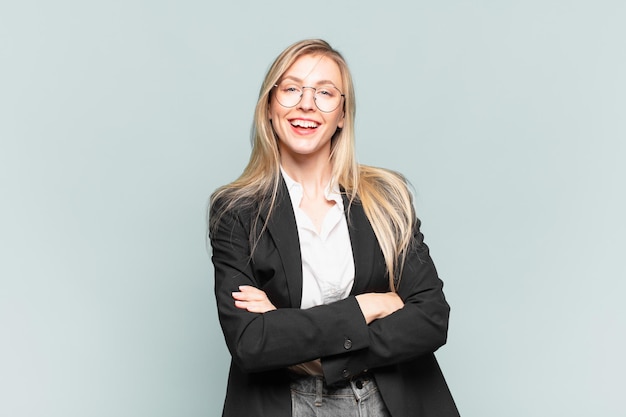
[{"x": 327, "y": 98}]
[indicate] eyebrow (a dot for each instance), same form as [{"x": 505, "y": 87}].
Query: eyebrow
[{"x": 320, "y": 82}]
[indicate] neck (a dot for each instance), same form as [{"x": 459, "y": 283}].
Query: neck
[{"x": 313, "y": 175}]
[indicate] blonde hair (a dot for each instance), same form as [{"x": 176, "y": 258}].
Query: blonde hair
[{"x": 383, "y": 194}]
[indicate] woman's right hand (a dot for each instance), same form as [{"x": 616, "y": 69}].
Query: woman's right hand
[
  {"x": 378, "y": 305},
  {"x": 252, "y": 299}
]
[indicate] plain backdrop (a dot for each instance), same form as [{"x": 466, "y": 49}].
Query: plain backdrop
[{"x": 119, "y": 118}]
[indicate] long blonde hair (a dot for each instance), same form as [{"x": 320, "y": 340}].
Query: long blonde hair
[{"x": 383, "y": 194}]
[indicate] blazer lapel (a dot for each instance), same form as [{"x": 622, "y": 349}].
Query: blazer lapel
[
  {"x": 368, "y": 263},
  {"x": 284, "y": 232}
]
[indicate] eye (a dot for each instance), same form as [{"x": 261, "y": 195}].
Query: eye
[
  {"x": 290, "y": 89},
  {"x": 327, "y": 92}
]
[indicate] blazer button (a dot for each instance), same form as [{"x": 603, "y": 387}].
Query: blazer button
[
  {"x": 347, "y": 344},
  {"x": 345, "y": 373}
]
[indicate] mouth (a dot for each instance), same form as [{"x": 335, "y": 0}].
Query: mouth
[{"x": 304, "y": 124}]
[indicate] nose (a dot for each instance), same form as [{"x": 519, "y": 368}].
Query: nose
[{"x": 307, "y": 101}]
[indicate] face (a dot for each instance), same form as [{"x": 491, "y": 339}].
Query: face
[{"x": 303, "y": 130}]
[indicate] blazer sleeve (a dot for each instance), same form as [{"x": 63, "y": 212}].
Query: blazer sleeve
[
  {"x": 420, "y": 327},
  {"x": 283, "y": 337}
]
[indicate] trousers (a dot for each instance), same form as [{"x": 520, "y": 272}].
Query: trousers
[{"x": 311, "y": 397}]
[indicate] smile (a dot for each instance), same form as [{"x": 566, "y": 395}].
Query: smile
[{"x": 308, "y": 124}]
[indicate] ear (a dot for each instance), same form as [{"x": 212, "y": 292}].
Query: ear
[{"x": 340, "y": 122}]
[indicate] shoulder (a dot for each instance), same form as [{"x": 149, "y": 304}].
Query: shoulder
[
  {"x": 231, "y": 205},
  {"x": 227, "y": 209},
  {"x": 386, "y": 192},
  {"x": 242, "y": 196},
  {"x": 245, "y": 206}
]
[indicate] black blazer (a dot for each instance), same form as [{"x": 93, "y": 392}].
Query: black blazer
[{"x": 397, "y": 349}]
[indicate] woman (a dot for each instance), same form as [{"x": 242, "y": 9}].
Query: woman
[{"x": 328, "y": 299}]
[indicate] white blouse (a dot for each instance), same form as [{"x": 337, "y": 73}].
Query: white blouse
[{"x": 327, "y": 260}]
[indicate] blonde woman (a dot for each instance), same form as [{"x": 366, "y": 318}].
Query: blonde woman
[{"x": 328, "y": 299}]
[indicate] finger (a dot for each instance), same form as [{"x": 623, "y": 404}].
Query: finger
[
  {"x": 249, "y": 305},
  {"x": 249, "y": 297},
  {"x": 255, "y": 307},
  {"x": 251, "y": 290},
  {"x": 260, "y": 307}
]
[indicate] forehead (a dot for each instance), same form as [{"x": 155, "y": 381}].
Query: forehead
[{"x": 314, "y": 69}]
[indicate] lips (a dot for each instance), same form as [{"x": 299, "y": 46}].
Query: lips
[{"x": 303, "y": 123}]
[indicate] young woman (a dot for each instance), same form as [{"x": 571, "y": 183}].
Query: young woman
[{"x": 328, "y": 299}]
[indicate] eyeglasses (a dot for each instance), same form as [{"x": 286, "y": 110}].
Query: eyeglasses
[{"x": 327, "y": 98}]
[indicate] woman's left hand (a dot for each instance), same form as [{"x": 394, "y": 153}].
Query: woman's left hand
[{"x": 252, "y": 299}]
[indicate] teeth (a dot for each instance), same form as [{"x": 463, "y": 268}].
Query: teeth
[{"x": 304, "y": 123}]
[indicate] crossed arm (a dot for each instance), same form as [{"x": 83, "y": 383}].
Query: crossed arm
[
  {"x": 373, "y": 305},
  {"x": 383, "y": 328}
]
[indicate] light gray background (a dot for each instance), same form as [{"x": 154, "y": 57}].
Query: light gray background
[{"x": 119, "y": 118}]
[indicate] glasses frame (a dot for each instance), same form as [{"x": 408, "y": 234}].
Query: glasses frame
[{"x": 314, "y": 98}]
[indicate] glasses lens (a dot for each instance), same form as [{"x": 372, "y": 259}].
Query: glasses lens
[
  {"x": 288, "y": 94},
  {"x": 327, "y": 98}
]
